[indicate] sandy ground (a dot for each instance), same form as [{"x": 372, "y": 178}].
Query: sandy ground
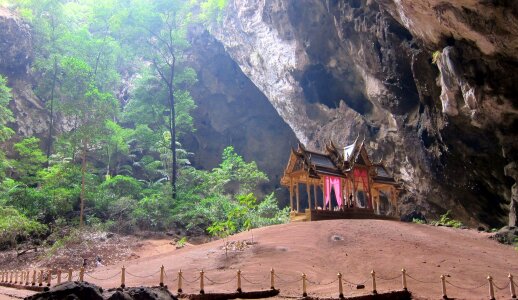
[{"x": 321, "y": 250}]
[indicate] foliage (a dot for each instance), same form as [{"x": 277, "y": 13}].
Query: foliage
[
  {"x": 418, "y": 221},
  {"x": 6, "y": 115},
  {"x": 436, "y": 56},
  {"x": 446, "y": 220},
  {"x": 30, "y": 159},
  {"x": 181, "y": 242},
  {"x": 15, "y": 226}
]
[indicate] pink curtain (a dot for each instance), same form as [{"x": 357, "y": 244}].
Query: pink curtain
[{"x": 336, "y": 183}]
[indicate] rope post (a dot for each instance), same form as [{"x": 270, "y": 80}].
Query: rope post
[
  {"x": 304, "y": 293},
  {"x": 123, "y": 277},
  {"x": 81, "y": 274},
  {"x": 69, "y": 274},
  {"x": 33, "y": 277},
  {"x": 373, "y": 274},
  {"x": 272, "y": 280},
  {"x": 202, "y": 274},
  {"x": 403, "y": 274},
  {"x": 49, "y": 278},
  {"x": 40, "y": 279},
  {"x": 11, "y": 278},
  {"x": 15, "y": 277},
  {"x": 491, "y": 289},
  {"x": 443, "y": 282},
  {"x": 239, "y": 281},
  {"x": 2, "y": 280},
  {"x": 59, "y": 276},
  {"x": 180, "y": 281},
  {"x": 511, "y": 286},
  {"x": 27, "y": 277},
  {"x": 340, "y": 287},
  {"x": 162, "y": 275}
]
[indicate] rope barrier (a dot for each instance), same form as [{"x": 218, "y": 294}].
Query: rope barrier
[
  {"x": 353, "y": 283},
  {"x": 464, "y": 288},
  {"x": 111, "y": 277},
  {"x": 501, "y": 288},
  {"x": 388, "y": 279},
  {"x": 421, "y": 281},
  {"x": 216, "y": 282},
  {"x": 249, "y": 281},
  {"x": 142, "y": 276},
  {"x": 285, "y": 281},
  {"x": 320, "y": 283},
  {"x": 197, "y": 278}
]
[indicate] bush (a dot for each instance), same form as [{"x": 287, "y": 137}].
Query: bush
[
  {"x": 15, "y": 226},
  {"x": 445, "y": 220}
]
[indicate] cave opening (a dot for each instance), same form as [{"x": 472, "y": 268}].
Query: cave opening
[{"x": 321, "y": 86}]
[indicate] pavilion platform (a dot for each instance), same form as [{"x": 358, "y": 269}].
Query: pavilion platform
[{"x": 348, "y": 213}]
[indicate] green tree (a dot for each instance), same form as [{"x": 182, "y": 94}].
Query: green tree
[
  {"x": 160, "y": 30},
  {"x": 88, "y": 108},
  {"x": 6, "y": 116},
  {"x": 30, "y": 159}
]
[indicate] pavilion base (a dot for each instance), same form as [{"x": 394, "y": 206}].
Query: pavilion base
[{"x": 348, "y": 213}]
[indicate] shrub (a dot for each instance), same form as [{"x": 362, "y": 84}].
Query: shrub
[
  {"x": 15, "y": 226},
  {"x": 445, "y": 220}
]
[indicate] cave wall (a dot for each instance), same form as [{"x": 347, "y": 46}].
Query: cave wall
[
  {"x": 335, "y": 69},
  {"x": 231, "y": 110}
]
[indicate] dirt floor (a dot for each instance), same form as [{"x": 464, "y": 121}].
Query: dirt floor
[{"x": 321, "y": 250}]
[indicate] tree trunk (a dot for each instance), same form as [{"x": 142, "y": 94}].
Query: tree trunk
[
  {"x": 83, "y": 174},
  {"x": 172, "y": 129},
  {"x": 51, "y": 117}
]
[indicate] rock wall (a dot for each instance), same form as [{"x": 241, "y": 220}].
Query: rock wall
[
  {"x": 430, "y": 84},
  {"x": 231, "y": 110}
]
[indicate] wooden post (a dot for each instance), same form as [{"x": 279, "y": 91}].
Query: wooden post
[
  {"x": 162, "y": 275},
  {"x": 27, "y": 277},
  {"x": 11, "y": 277},
  {"x": 40, "y": 280},
  {"x": 511, "y": 286},
  {"x": 202, "y": 275},
  {"x": 33, "y": 277},
  {"x": 373, "y": 274},
  {"x": 304, "y": 293},
  {"x": 123, "y": 277},
  {"x": 239, "y": 281},
  {"x": 49, "y": 278},
  {"x": 443, "y": 283},
  {"x": 70, "y": 274},
  {"x": 340, "y": 287},
  {"x": 81, "y": 274},
  {"x": 403, "y": 273},
  {"x": 272, "y": 281},
  {"x": 59, "y": 277},
  {"x": 180, "y": 281},
  {"x": 15, "y": 277},
  {"x": 323, "y": 196},
  {"x": 2, "y": 280},
  {"x": 291, "y": 196},
  {"x": 491, "y": 289},
  {"x": 315, "y": 196},
  {"x": 297, "y": 195},
  {"x": 309, "y": 195}
]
